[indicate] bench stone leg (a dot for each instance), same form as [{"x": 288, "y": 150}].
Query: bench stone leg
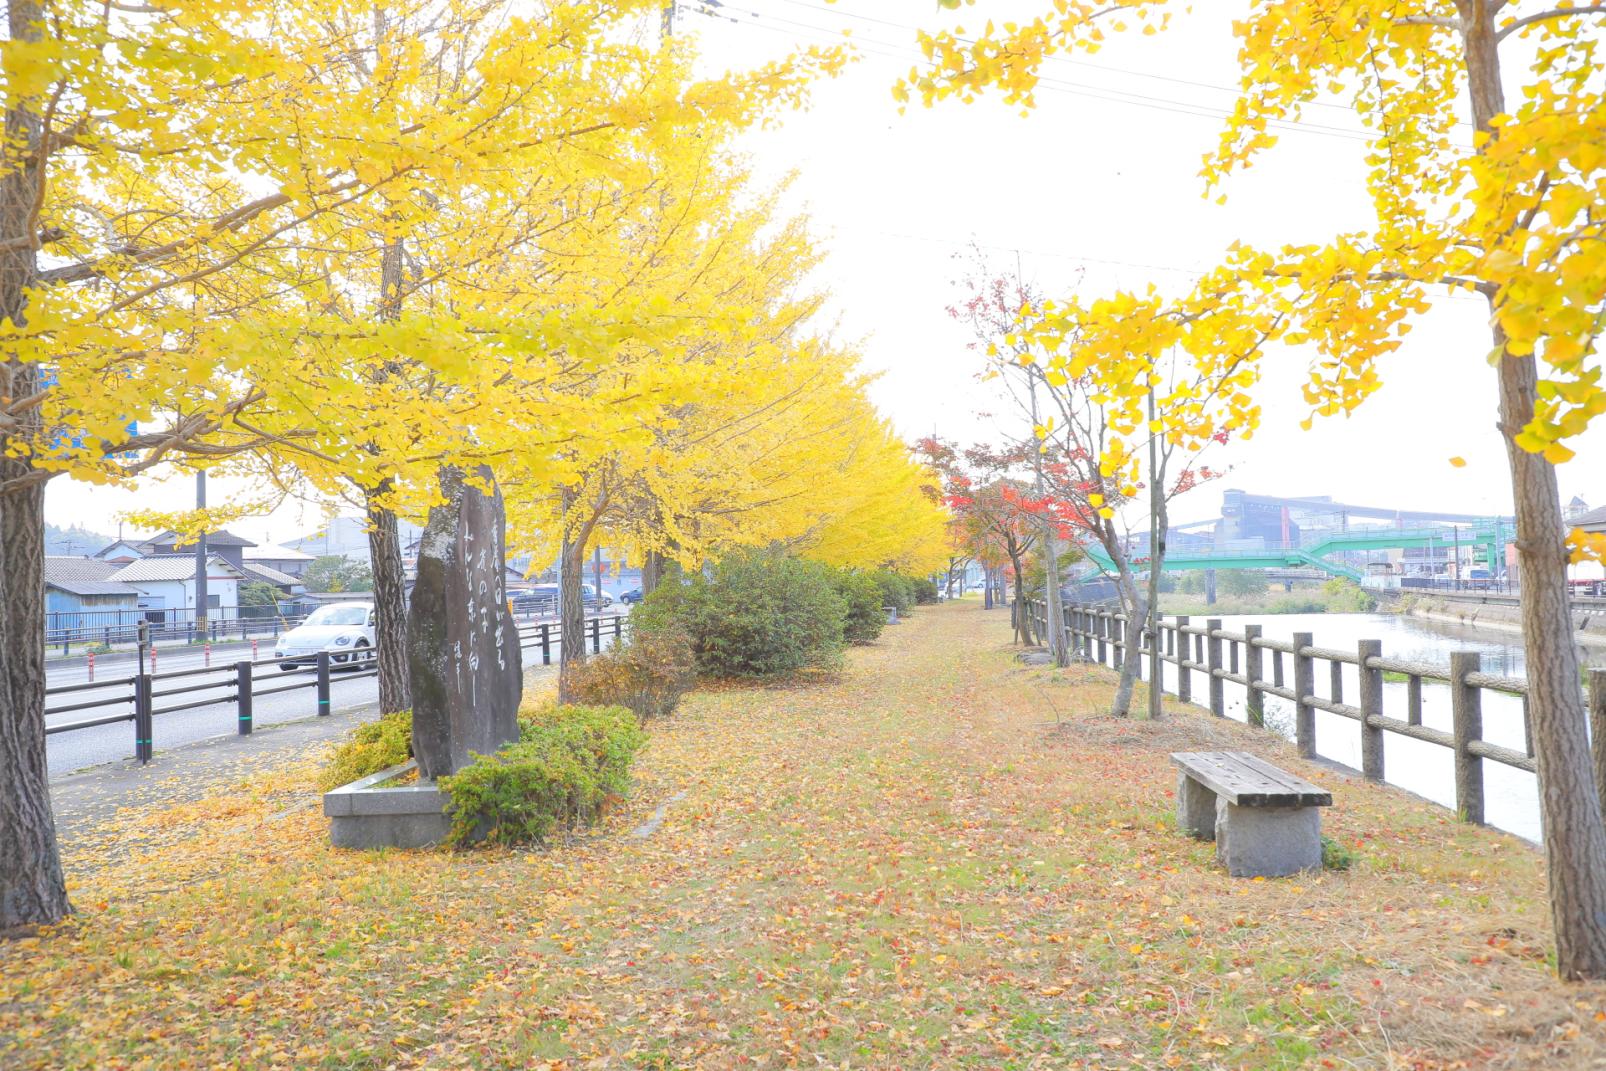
[
  {"x": 1196, "y": 808},
  {"x": 1268, "y": 842}
]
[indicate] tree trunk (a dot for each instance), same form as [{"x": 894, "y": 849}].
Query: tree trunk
[
  {"x": 390, "y": 604},
  {"x": 652, "y": 572},
  {"x": 571, "y": 614},
  {"x": 1017, "y": 605},
  {"x": 1574, "y": 836},
  {"x": 1131, "y": 638},
  {"x": 32, "y": 888}
]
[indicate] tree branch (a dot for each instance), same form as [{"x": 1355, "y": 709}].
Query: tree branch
[{"x": 1553, "y": 13}]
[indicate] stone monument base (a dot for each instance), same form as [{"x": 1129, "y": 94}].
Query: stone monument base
[{"x": 368, "y": 814}]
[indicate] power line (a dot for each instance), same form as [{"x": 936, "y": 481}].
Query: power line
[
  {"x": 1067, "y": 60},
  {"x": 892, "y": 50}
]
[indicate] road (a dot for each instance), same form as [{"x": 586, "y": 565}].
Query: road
[{"x": 112, "y": 695}]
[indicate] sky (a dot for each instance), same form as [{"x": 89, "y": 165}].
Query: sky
[{"x": 1095, "y": 189}]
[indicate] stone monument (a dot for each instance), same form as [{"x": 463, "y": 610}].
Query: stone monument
[
  {"x": 462, "y": 646},
  {"x": 464, "y": 665}
]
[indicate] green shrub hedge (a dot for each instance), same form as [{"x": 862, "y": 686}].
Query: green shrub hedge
[
  {"x": 568, "y": 762},
  {"x": 374, "y": 746},
  {"x": 925, "y": 592},
  {"x": 896, "y": 590},
  {"x": 866, "y": 617},
  {"x": 755, "y": 614}
]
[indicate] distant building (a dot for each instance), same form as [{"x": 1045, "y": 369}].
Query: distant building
[
  {"x": 122, "y": 552},
  {"x": 287, "y": 561},
  {"x": 80, "y": 596},
  {"x": 226, "y": 545},
  {"x": 166, "y": 586},
  {"x": 346, "y": 537}
]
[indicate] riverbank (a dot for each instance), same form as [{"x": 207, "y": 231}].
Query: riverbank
[
  {"x": 939, "y": 858},
  {"x": 1492, "y": 613}
]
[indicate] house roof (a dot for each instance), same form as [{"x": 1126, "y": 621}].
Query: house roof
[
  {"x": 132, "y": 546},
  {"x": 1593, "y": 521},
  {"x": 84, "y": 576},
  {"x": 167, "y": 567},
  {"x": 213, "y": 539},
  {"x": 272, "y": 552},
  {"x": 258, "y": 571}
]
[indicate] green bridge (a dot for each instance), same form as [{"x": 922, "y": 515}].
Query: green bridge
[{"x": 1490, "y": 536}]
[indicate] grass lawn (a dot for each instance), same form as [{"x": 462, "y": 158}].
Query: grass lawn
[{"x": 938, "y": 859}]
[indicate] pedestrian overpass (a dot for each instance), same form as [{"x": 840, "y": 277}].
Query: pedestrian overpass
[{"x": 1491, "y": 534}]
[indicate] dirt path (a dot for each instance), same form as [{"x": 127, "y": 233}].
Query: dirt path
[{"x": 939, "y": 859}]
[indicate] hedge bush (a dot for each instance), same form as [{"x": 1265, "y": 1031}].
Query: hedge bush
[
  {"x": 925, "y": 592},
  {"x": 861, "y": 594},
  {"x": 647, "y": 675},
  {"x": 759, "y": 614},
  {"x": 896, "y": 590},
  {"x": 569, "y": 761},
  {"x": 374, "y": 746}
]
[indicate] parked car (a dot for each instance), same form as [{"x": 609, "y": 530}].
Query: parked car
[
  {"x": 539, "y": 601},
  {"x": 344, "y": 629},
  {"x": 631, "y": 596},
  {"x": 542, "y": 599}
]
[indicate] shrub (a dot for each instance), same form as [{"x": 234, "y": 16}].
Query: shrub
[
  {"x": 569, "y": 761},
  {"x": 759, "y": 614},
  {"x": 1345, "y": 596},
  {"x": 896, "y": 591},
  {"x": 925, "y": 592},
  {"x": 648, "y": 675},
  {"x": 374, "y": 746},
  {"x": 865, "y": 614},
  {"x": 1242, "y": 582}
]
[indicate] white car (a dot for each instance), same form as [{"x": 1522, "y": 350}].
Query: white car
[{"x": 344, "y": 629}]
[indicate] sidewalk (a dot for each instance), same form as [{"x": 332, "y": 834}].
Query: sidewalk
[{"x": 88, "y": 798}]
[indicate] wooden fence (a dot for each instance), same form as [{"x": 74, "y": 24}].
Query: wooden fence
[{"x": 1097, "y": 634}]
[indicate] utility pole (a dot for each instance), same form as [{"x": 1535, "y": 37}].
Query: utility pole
[
  {"x": 596, "y": 572},
  {"x": 201, "y": 596}
]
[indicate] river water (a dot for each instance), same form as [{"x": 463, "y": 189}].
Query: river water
[{"x": 1511, "y": 799}]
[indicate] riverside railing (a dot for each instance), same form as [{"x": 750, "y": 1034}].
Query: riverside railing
[
  {"x": 137, "y": 697},
  {"x": 1098, "y": 634}
]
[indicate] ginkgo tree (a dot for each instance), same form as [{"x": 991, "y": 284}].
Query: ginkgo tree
[
  {"x": 202, "y": 201},
  {"x": 1471, "y": 192}
]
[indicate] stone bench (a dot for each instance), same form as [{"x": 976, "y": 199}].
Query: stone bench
[{"x": 1265, "y": 822}]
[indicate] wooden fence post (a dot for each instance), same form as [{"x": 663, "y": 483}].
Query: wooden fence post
[
  {"x": 1184, "y": 654},
  {"x": 1371, "y": 707},
  {"x": 1466, "y": 712},
  {"x": 1254, "y": 705},
  {"x": 1218, "y": 698},
  {"x": 1102, "y": 627},
  {"x": 1304, "y": 690}
]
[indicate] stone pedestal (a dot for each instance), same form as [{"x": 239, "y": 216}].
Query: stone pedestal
[
  {"x": 1196, "y": 808},
  {"x": 1267, "y": 842},
  {"x": 365, "y": 814}
]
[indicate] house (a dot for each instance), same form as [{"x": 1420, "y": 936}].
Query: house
[
  {"x": 285, "y": 560},
  {"x": 256, "y": 572},
  {"x": 122, "y": 552},
  {"x": 226, "y": 545},
  {"x": 166, "y": 586},
  {"x": 80, "y": 597}
]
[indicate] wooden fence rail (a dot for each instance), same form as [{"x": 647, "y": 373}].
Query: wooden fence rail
[{"x": 1097, "y": 634}]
